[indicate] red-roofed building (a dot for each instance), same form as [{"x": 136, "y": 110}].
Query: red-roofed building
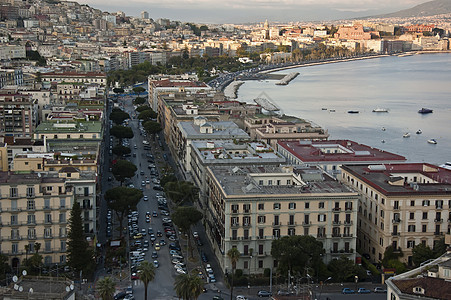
[
  {"x": 401, "y": 205},
  {"x": 330, "y": 155}
]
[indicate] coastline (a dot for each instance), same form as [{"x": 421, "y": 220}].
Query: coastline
[{"x": 233, "y": 93}]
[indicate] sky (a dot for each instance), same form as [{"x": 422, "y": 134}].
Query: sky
[{"x": 242, "y": 11}]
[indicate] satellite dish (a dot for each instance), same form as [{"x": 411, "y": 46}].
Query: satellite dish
[
  {"x": 67, "y": 289},
  {"x": 72, "y": 287},
  {"x": 20, "y": 288},
  {"x": 15, "y": 278},
  {"x": 16, "y": 287},
  {"x": 24, "y": 272},
  {"x": 30, "y": 290}
]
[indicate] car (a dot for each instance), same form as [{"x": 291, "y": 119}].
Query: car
[
  {"x": 147, "y": 219},
  {"x": 347, "y": 291},
  {"x": 134, "y": 276},
  {"x": 218, "y": 298},
  {"x": 154, "y": 254},
  {"x": 157, "y": 247},
  {"x": 159, "y": 233},
  {"x": 154, "y": 214},
  {"x": 157, "y": 187},
  {"x": 152, "y": 237},
  {"x": 173, "y": 252},
  {"x": 156, "y": 263},
  {"x": 174, "y": 246},
  {"x": 143, "y": 232},
  {"x": 379, "y": 290},
  {"x": 363, "y": 291},
  {"x": 150, "y": 230},
  {"x": 241, "y": 297},
  {"x": 141, "y": 172},
  {"x": 143, "y": 183},
  {"x": 264, "y": 293},
  {"x": 138, "y": 236},
  {"x": 146, "y": 198},
  {"x": 120, "y": 295},
  {"x": 129, "y": 297},
  {"x": 162, "y": 242},
  {"x": 195, "y": 234}
]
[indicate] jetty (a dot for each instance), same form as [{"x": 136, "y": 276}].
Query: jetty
[
  {"x": 231, "y": 91},
  {"x": 266, "y": 104},
  {"x": 287, "y": 78}
]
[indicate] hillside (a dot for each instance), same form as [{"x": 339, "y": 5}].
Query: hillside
[{"x": 429, "y": 8}]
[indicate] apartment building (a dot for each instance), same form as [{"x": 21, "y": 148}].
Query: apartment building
[
  {"x": 401, "y": 205},
  {"x": 271, "y": 129},
  {"x": 250, "y": 206},
  {"x": 75, "y": 77},
  {"x": 330, "y": 155},
  {"x": 35, "y": 208},
  {"x": 17, "y": 115},
  {"x": 69, "y": 131}
]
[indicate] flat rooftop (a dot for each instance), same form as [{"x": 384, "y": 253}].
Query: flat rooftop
[
  {"x": 340, "y": 151},
  {"x": 389, "y": 179},
  {"x": 221, "y": 130},
  {"x": 63, "y": 127},
  {"x": 242, "y": 181}
]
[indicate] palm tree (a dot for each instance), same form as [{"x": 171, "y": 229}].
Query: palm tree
[
  {"x": 188, "y": 286},
  {"x": 146, "y": 273},
  {"x": 106, "y": 288},
  {"x": 233, "y": 255}
]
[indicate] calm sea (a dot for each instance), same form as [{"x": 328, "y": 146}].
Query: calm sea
[{"x": 403, "y": 85}]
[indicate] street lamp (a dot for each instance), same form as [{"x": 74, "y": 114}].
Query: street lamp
[
  {"x": 322, "y": 284},
  {"x": 356, "y": 278}
]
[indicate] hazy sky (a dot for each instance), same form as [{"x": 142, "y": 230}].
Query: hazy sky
[{"x": 241, "y": 11}]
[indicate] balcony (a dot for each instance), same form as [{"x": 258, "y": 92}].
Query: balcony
[
  {"x": 14, "y": 238},
  {"x": 235, "y": 224},
  {"x": 246, "y": 224},
  {"x": 292, "y": 223},
  {"x": 438, "y": 233},
  {"x": 234, "y": 211},
  {"x": 48, "y": 236},
  {"x": 336, "y": 209},
  {"x": 395, "y": 221},
  {"x": 336, "y": 222},
  {"x": 347, "y": 223},
  {"x": 276, "y": 223},
  {"x": 395, "y": 233},
  {"x": 438, "y": 220},
  {"x": 306, "y": 223},
  {"x": 247, "y": 211},
  {"x": 336, "y": 234},
  {"x": 396, "y": 207},
  {"x": 31, "y": 237},
  {"x": 347, "y": 208},
  {"x": 321, "y": 236},
  {"x": 347, "y": 235}
]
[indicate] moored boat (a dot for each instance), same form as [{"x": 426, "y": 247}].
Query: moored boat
[
  {"x": 432, "y": 141},
  {"x": 425, "y": 111},
  {"x": 353, "y": 111},
  {"x": 380, "y": 110},
  {"x": 406, "y": 135},
  {"x": 419, "y": 131}
]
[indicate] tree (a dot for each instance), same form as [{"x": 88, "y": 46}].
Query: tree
[
  {"x": 181, "y": 191},
  {"x": 421, "y": 253},
  {"x": 152, "y": 127},
  {"x": 122, "y": 200},
  {"x": 344, "y": 269},
  {"x": 184, "y": 217},
  {"x": 142, "y": 108},
  {"x": 296, "y": 252},
  {"x": 37, "y": 247},
  {"x": 123, "y": 169},
  {"x": 188, "y": 286},
  {"x": 146, "y": 273},
  {"x": 121, "y": 132},
  {"x": 33, "y": 264},
  {"x": 27, "y": 249},
  {"x": 147, "y": 115},
  {"x": 4, "y": 267},
  {"x": 139, "y": 100},
  {"x": 234, "y": 255},
  {"x": 79, "y": 256},
  {"x": 391, "y": 254},
  {"x": 118, "y": 90},
  {"x": 106, "y": 287},
  {"x": 167, "y": 178},
  {"x": 118, "y": 116},
  {"x": 439, "y": 247},
  {"x": 120, "y": 150},
  {"x": 138, "y": 90}
]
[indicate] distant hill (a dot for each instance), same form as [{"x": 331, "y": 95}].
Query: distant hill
[{"x": 431, "y": 8}]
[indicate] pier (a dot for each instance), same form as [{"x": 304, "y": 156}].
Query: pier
[{"x": 285, "y": 80}]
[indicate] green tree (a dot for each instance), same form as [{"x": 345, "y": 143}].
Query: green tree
[
  {"x": 147, "y": 115},
  {"x": 391, "y": 254},
  {"x": 397, "y": 265},
  {"x": 118, "y": 90},
  {"x": 27, "y": 249},
  {"x": 152, "y": 127},
  {"x": 122, "y": 200},
  {"x": 188, "y": 286},
  {"x": 4, "y": 267},
  {"x": 181, "y": 191},
  {"x": 146, "y": 273},
  {"x": 439, "y": 247},
  {"x": 121, "y": 132},
  {"x": 37, "y": 247},
  {"x": 344, "y": 269},
  {"x": 118, "y": 116},
  {"x": 234, "y": 255},
  {"x": 138, "y": 90},
  {"x": 184, "y": 217},
  {"x": 142, "y": 108},
  {"x": 168, "y": 178},
  {"x": 79, "y": 256},
  {"x": 139, "y": 101},
  {"x": 421, "y": 253},
  {"x": 120, "y": 150},
  {"x": 123, "y": 169},
  {"x": 106, "y": 287},
  {"x": 33, "y": 264},
  {"x": 297, "y": 252}
]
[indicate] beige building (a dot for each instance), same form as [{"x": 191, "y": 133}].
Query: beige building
[
  {"x": 271, "y": 129},
  {"x": 401, "y": 205},
  {"x": 250, "y": 206},
  {"x": 35, "y": 208},
  {"x": 17, "y": 115}
]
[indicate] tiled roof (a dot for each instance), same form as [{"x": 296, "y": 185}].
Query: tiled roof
[{"x": 433, "y": 287}]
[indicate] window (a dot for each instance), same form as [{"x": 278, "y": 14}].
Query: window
[
  {"x": 412, "y": 216},
  {"x": 321, "y": 205},
  {"x": 261, "y": 233},
  {"x": 234, "y": 208},
  {"x": 424, "y": 228},
  {"x": 31, "y": 219},
  {"x": 246, "y": 234},
  {"x": 291, "y": 220},
  {"x": 13, "y": 192},
  {"x": 291, "y": 205},
  {"x": 63, "y": 245},
  {"x": 411, "y": 228},
  {"x": 321, "y": 218},
  {"x": 261, "y": 219},
  {"x": 48, "y": 218},
  {"x": 13, "y": 204},
  {"x": 412, "y": 203},
  {"x": 31, "y": 233},
  {"x": 291, "y": 231},
  {"x": 48, "y": 246},
  {"x": 31, "y": 204},
  {"x": 260, "y": 182},
  {"x": 49, "y": 188},
  {"x": 235, "y": 221},
  {"x": 261, "y": 206},
  {"x": 246, "y": 208},
  {"x": 260, "y": 249},
  {"x": 425, "y": 203},
  {"x": 62, "y": 217},
  {"x": 46, "y": 203},
  {"x": 425, "y": 215},
  {"x": 276, "y": 220},
  {"x": 439, "y": 204},
  {"x": 276, "y": 206},
  {"x": 348, "y": 205},
  {"x": 276, "y": 233},
  {"x": 306, "y": 230},
  {"x": 62, "y": 203},
  {"x": 307, "y": 205},
  {"x": 234, "y": 234},
  {"x": 306, "y": 219},
  {"x": 14, "y": 248},
  {"x": 410, "y": 244},
  {"x": 396, "y": 205},
  {"x": 269, "y": 182},
  {"x": 63, "y": 232},
  {"x": 246, "y": 221},
  {"x": 13, "y": 219},
  {"x": 62, "y": 258},
  {"x": 30, "y": 191},
  {"x": 47, "y": 232}
]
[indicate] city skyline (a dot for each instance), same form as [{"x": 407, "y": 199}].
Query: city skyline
[{"x": 203, "y": 11}]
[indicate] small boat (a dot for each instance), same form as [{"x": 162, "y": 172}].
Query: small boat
[
  {"x": 432, "y": 141},
  {"x": 331, "y": 110},
  {"x": 419, "y": 131},
  {"x": 383, "y": 129},
  {"x": 425, "y": 111},
  {"x": 383, "y": 141},
  {"x": 380, "y": 110},
  {"x": 353, "y": 111},
  {"x": 406, "y": 135},
  {"x": 323, "y": 108},
  {"x": 446, "y": 165}
]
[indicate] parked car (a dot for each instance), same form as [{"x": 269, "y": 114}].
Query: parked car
[
  {"x": 379, "y": 290},
  {"x": 264, "y": 293},
  {"x": 347, "y": 291},
  {"x": 241, "y": 297},
  {"x": 363, "y": 291}
]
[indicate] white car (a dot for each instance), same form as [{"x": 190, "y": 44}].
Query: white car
[{"x": 241, "y": 297}]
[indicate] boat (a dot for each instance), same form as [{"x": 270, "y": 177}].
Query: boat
[
  {"x": 383, "y": 129},
  {"x": 383, "y": 141},
  {"x": 323, "y": 108},
  {"x": 419, "y": 131},
  {"x": 432, "y": 141},
  {"x": 353, "y": 111},
  {"x": 331, "y": 110},
  {"x": 425, "y": 111},
  {"x": 380, "y": 110},
  {"x": 446, "y": 165},
  {"x": 406, "y": 135}
]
